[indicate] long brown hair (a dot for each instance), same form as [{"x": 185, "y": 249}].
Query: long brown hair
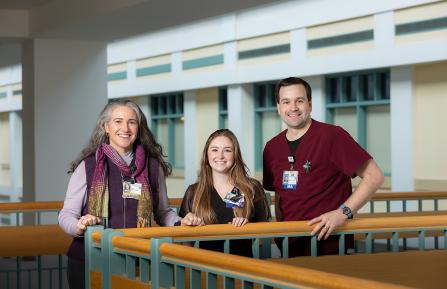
[
  {"x": 201, "y": 204},
  {"x": 145, "y": 136}
]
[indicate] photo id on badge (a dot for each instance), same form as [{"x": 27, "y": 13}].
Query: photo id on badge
[
  {"x": 289, "y": 180},
  {"x": 131, "y": 190}
]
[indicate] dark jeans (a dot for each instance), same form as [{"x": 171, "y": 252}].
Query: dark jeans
[{"x": 76, "y": 274}]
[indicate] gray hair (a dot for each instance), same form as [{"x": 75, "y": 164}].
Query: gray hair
[{"x": 145, "y": 136}]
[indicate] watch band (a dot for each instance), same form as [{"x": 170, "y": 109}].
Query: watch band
[{"x": 347, "y": 211}]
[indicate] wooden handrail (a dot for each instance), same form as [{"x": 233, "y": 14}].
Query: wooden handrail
[
  {"x": 134, "y": 245},
  {"x": 176, "y": 202},
  {"x": 50, "y": 239},
  {"x": 38, "y": 240},
  {"x": 286, "y": 275},
  {"x": 31, "y": 206},
  {"x": 382, "y": 196},
  {"x": 270, "y": 228},
  {"x": 17, "y": 207},
  {"x": 394, "y": 196}
]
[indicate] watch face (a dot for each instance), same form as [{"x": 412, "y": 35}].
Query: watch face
[{"x": 346, "y": 211}]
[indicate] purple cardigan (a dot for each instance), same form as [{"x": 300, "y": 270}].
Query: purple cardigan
[{"x": 122, "y": 213}]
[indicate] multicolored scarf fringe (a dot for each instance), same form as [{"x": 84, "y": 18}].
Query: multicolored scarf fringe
[{"x": 98, "y": 196}]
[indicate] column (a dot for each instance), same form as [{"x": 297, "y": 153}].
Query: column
[
  {"x": 402, "y": 161},
  {"x": 191, "y": 149},
  {"x": 241, "y": 120},
  {"x": 15, "y": 155},
  {"x": 64, "y": 90},
  {"x": 318, "y": 101}
]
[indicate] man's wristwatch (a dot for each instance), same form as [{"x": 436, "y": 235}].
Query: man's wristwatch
[{"x": 347, "y": 211}]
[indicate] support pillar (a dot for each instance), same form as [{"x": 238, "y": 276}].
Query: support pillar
[{"x": 64, "y": 89}]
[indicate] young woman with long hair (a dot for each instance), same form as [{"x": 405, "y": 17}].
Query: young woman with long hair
[{"x": 224, "y": 192}]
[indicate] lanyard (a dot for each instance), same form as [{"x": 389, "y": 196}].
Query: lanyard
[
  {"x": 291, "y": 156},
  {"x": 291, "y": 159}
]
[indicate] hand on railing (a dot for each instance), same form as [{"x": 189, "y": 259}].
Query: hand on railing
[
  {"x": 327, "y": 223},
  {"x": 191, "y": 220},
  {"x": 239, "y": 221},
  {"x": 84, "y": 222}
]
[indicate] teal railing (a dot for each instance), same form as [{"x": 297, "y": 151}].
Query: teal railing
[
  {"x": 133, "y": 255},
  {"x": 32, "y": 254},
  {"x": 34, "y": 270}
]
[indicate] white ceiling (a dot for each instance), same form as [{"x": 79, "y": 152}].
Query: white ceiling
[
  {"x": 20, "y": 4},
  {"x": 108, "y": 20},
  {"x": 102, "y": 20}
]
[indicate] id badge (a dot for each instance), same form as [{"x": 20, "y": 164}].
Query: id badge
[
  {"x": 234, "y": 199},
  {"x": 131, "y": 190},
  {"x": 290, "y": 180}
]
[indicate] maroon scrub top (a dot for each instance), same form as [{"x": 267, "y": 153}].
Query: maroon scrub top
[{"x": 333, "y": 157}]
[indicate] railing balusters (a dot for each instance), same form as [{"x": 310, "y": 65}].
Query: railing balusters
[
  {"x": 145, "y": 270},
  {"x": 211, "y": 281},
  {"x": 247, "y": 285},
  {"x": 266, "y": 248},
  {"x": 261, "y": 246},
  {"x": 395, "y": 238},
  {"x": 421, "y": 242},
  {"x": 255, "y": 248},
  {"x": 229, "y": 283},
  {"x": 285, "y": 247},
  {"x": 18, "y": 260},
  {"x": 368, "y": 243},
  {"x": 313, "y": 245},
  {"x": 341, "y": 244},
  {"x": 195, "y": 278},
  {"x": 59, "y": 267},
  {"x": 180, "y": 277},
  {"x": 51, "y": 278},
  {"x": 227, "y": 246},
  {"x": 39, "y": 272},
  {"x": 130, "y": 266},
  {"x": 7, "y": 280}
]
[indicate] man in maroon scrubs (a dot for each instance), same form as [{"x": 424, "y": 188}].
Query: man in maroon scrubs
[{"x": 309, "y": 166}]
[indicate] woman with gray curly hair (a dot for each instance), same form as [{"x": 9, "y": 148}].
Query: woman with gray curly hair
[{"x": 118, "y": 180}]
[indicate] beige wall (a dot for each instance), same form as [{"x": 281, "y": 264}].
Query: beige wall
[
  {"x": 207, "y": 108},
  {"x": 430, "y": 91},
  {"x": 207, "y": 117},
  {"x": 176, "y": 186}
]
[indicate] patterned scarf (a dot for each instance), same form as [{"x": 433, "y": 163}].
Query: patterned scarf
[{"x": 98, "y": 197}]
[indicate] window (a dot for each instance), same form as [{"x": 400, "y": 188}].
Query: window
[
  {"x": 223, "y": 107},
  {"x": 267, "y": 121},
  {"x": 360, "y": 103},
  {"x": 168, "y": 126}
]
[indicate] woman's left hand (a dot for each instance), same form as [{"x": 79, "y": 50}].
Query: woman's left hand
[
  {"x": 191, "y": 220},
  {"x": 239, "y": 221}
]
